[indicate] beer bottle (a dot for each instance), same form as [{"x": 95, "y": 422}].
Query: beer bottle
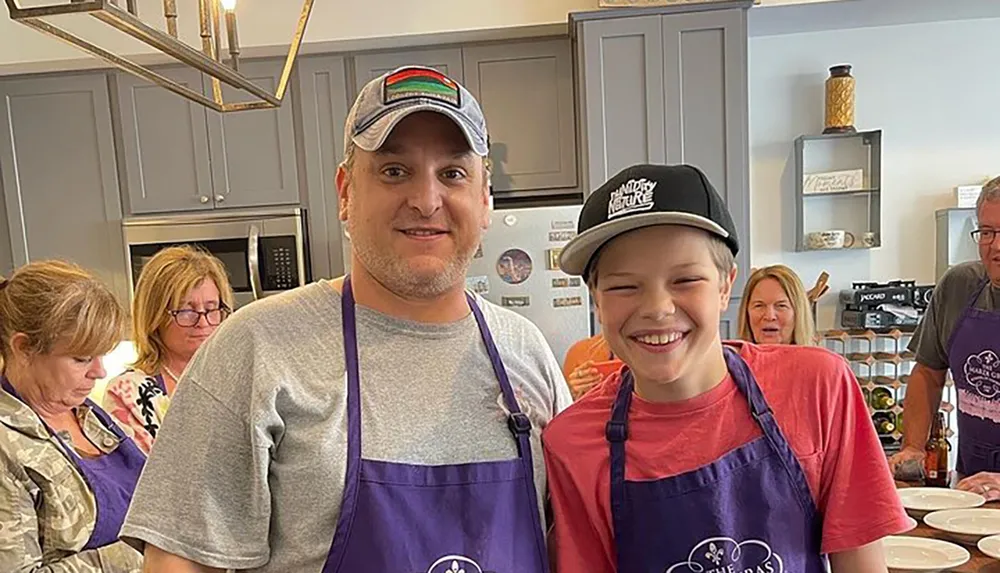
[{"x": 936, "y": 460}]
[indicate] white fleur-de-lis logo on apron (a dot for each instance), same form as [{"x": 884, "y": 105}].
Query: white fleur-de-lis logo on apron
[
  {"x": 714, "y": 553},
  {"x": 455, "y": 564}
]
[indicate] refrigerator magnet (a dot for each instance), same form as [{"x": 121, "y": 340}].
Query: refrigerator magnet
[
  {"x": 478, "y": 284},
  {"x": 514, "y": 266},
  {"x": 563, "y": 225},
  {"x": 566, "y": 282},
  {"x": 553, "y": 258},
  {"x": 515, "y": 301},
  {"x": 565, "y": 301},
  {"x": 561, "y": 236}
]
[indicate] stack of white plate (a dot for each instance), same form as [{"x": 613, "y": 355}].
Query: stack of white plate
[{"x": 904, "y": 554}]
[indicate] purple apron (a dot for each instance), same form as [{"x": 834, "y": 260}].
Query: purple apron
[
  {"x": 475, "y": 517},
  {"x": 750, "y": 511},
  {"x": 974, "y": 361},
  {"x": 111, "y": 477}
]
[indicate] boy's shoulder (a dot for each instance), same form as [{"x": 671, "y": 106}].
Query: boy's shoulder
[
  {"x": 800, "y": 370},
  {"x": 792, "y": 357}
]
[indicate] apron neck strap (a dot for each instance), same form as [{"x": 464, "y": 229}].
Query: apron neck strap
[
  {"x": 979, "y": 290},
  {"x": 518, "y": 422},
  {"x": 745, "y": 381}
]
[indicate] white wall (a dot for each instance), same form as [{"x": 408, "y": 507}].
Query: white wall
[
  {"x": 933, "y": 88},
  {"x": 269, "y": 23}
]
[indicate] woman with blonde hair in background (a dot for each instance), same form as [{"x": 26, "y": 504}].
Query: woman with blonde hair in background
[
  {"x": 181, "y": 297},
  {"x": 774, "y": 308},
  {"x": 67, "y": 472}
]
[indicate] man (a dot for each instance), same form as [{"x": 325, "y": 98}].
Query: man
[
  {"x": 400, "y": 433},
  {"x": 961, "y": 332}
]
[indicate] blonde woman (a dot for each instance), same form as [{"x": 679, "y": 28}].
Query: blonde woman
[
  {"x": 181, "y": 297},
  {"x": 67, "y": 472},
  {"x": 775, "y": 310}
]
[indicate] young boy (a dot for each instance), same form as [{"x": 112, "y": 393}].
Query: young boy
[{"x": 700, "y": 457}]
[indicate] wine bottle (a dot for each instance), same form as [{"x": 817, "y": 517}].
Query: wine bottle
[
  {"x": 884, "y": 422},
  {"x": 882, "y": 398}
]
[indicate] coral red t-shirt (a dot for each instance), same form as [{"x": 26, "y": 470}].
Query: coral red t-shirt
[{"x": 818, "y": 406}]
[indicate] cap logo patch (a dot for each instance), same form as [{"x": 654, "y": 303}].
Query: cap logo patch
[
  {"x": 420, "y": 83},
  {"x": 634, "y": 196}
]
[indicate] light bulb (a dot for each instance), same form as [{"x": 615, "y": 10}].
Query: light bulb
[{"x": 228, "y": 5}]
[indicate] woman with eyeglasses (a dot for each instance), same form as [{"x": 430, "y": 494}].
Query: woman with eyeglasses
[{"x": 181, "y": 296}]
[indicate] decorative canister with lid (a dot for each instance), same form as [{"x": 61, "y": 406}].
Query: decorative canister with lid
[{"x": 840, "y": 100}]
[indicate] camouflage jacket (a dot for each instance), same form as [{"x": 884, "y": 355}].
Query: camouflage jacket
[{"x": 47, "y": 511}]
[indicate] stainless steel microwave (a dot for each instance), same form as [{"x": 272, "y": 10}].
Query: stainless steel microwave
[{"x": 265, "y": 252}]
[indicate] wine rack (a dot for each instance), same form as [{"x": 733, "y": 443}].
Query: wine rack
[{"x": 882, "y": 365}]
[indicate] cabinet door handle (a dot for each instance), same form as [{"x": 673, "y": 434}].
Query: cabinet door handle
[
  {"x": 203, "y": 199},
  {"x": 220, "y": 198}
]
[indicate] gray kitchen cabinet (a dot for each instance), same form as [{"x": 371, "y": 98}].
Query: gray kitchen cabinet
[
  {"x": 370, "y": 66},
  {"x": 164, "y": 145},
  {"x": 58, "y": 167},
  {"x": 668, "y": 86},
  {"x": 181, "y": 156},
  {"x": 621, "y": 94},
  {"x": 526, "y": 91},
  {"x": 253, "y": 152},
  {"x": 6, "y": 256},
  {"x": 322, "y": 87}
]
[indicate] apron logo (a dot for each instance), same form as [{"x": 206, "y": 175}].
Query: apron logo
[
  {"x": 982, "y": 371},
  {"x": 456, "y": 564},
  {"x": 725, "y": 555}
]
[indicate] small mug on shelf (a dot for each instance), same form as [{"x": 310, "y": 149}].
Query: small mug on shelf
[{"x": 834, "y": 239}]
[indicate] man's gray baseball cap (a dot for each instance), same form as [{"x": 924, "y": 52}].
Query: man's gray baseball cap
[{"x": 388, "y": 99}]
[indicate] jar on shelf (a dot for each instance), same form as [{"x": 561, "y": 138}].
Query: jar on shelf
[{"x": 840, "y": 101}]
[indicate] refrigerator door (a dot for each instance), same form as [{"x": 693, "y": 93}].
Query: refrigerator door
[{"x": 517, "y": 268}]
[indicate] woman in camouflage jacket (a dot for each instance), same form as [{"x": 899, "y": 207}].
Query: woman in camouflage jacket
[{"x": 67, "y": 472}]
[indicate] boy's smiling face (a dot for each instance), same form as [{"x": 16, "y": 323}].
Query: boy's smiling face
[{"x": 660, "y": 295}]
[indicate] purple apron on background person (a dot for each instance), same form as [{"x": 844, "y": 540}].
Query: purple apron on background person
[
  {"x": 478, "y": 517},
  {"x": 749, "y": 511},
  {"x": 111, "y": 476},
  {"x": 974, "y": 361}
]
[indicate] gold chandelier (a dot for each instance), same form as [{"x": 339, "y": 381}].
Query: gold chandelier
[{"x": 208, "y": 61}]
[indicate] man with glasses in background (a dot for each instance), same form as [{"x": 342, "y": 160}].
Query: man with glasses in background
[{"x": 961, "y": 332}]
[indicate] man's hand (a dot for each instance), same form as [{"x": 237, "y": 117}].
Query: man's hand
[
  {"x": 904, "y": 458},
  {"x": 986, "y": 484}
]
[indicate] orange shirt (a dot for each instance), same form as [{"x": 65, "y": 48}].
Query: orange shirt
[
  {"x": 594, "y": 348},
  {"x": 818, "y": 405}
]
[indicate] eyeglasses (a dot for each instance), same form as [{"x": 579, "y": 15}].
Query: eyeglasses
[
  {"x": 984, "y": 236},
  {"x": 187, "y": 317}
]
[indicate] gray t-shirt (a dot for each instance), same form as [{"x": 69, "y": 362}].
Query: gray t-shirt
[
  {"x": 951, "y": 296},
  {"x": 248, "y": 469}
]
